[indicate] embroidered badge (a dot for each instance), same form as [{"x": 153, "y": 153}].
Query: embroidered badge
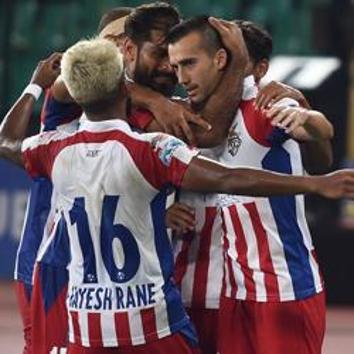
[
  {"x": 165, "y": 146},
  {"x": 167, "y": 151}
]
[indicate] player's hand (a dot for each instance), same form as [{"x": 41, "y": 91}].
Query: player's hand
[
  {"x": 180, "y": 218},
  {"x": 175, "y": 119},
  {"x": 288, "y": 118},
  {"x": 231, "y": 36},
  {"x": 339, "y": 184},
  {"x": 276, "y": 91},
  {"x": 47, "y": 71}
]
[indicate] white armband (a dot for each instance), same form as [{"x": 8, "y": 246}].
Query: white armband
[{"x": 33, "y": 90}]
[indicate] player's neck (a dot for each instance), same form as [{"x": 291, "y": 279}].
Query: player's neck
[{"x": 116, "y": 110}]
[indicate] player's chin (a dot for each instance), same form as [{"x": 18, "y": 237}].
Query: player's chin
[{"x": 195, "y": 99}]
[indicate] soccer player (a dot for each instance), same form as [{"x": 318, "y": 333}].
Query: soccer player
[
  {"x": 47, "y": 304},
  {"x": 39, "y": 203},
  {"x": 270, "y": 267},
  {"x": 111, "y": 184},
  {"x": 43, "y": 304}
]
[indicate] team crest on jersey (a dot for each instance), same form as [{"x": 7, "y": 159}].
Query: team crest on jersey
[
  {"x": 234, "y": 141},
  {"x": 165, "y": 147}
]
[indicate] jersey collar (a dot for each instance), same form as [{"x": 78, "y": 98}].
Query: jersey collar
[{"x": 103, "y": 125}]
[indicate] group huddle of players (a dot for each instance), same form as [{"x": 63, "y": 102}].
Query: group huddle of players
[{"x": 98, "y": 270}]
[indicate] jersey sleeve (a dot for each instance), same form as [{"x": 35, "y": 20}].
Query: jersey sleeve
[
  {"x": 38, "y": 155},
  {"x": 260, "y": 127},
  {"x": 162, "y": 159},
  {"x": 55, "y": 113},
  {"x": 175, "y": 156}
]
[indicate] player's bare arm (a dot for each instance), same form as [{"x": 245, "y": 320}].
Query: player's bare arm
[
  {"x": 171, "y": 117},
  {"x": 317, "y": 156},
  {"x": 311, "y": 129},
  {"x": 221, "y": 107},
  {"x": 300, "y": 123},
  {"x": 204, "y": 175},
  {"x": 14, "y": 126}
]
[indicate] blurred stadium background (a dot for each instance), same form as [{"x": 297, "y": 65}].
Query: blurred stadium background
[{"x": 321, "y": 32}]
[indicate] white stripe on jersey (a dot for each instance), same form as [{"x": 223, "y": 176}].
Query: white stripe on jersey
[
  {"x": 136, "y": 328},
  {"x": 109, "y": 336},
  {"x": 83, "y": 327},
  {"x": 71, "y": 329},
  {"x": 214, "y": 282},
  {"x": 162, "y": 326}
]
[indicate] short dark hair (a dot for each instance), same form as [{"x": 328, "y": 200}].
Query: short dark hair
[
  {"x": 112, "y": 15},
  {"x": 145, "y": 18},
  {"x": 258, "y": 41},
  {"x": 211, "y": 38}
]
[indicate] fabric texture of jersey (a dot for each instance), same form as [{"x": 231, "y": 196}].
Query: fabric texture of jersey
[
  {"x": 269, "y": 250},
  {"x": 198, "y": 254},
  {"x": 111, "y": 185}
]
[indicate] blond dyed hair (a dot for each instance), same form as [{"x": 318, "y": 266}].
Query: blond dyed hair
[{"x": 92, "y": 70}]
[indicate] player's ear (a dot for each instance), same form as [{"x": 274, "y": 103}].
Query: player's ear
[
  {"x": 221, "y": 58},
  {"x": 261, "y": 69},
  {"x": 129, "y": 50}
]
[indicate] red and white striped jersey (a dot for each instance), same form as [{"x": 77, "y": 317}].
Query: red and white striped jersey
[
  {"x": 111, "y": 189},
  {"x": 199, "y": 254},
  {"x": 269, "y": 250}
]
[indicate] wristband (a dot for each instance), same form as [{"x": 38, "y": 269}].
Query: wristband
[{"x": 33, "y": 90}]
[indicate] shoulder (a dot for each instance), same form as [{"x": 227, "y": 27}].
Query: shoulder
[
  {"x": 166, "y": 148},
  {"x": 43, "y": 139}
]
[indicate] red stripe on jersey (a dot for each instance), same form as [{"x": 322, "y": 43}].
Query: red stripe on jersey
[
  {"x": 228, "y": 266},
  {"x": 148, "y": 319},
  {"x": 265, "y": 259},
  {"x": 76, "y": 327},
  {"x": 257, "y": 124},
  {"x": 202, "y": 263},
  {"x": 181, "y": 263},
  {"x": 241, "y": 247},
  {"x": 94, "y": 329},
  {"x": 39, "y": 160},
  {"x": 121, "y": 320}
]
